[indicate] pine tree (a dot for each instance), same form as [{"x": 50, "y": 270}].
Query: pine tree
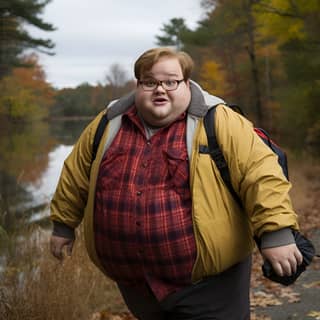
[{"x": 14, "y": 39}]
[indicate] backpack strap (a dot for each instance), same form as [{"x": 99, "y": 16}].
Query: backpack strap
[
  {"x": 281, "y": 154},
  {"x": 216, "y": 153},
  {"x": 98, "y": 134}
]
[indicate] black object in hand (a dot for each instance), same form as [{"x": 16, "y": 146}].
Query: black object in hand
[{"x": 308, "y": 252}]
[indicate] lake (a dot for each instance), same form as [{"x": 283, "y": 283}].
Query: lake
[{"x": 31, "y": 160}]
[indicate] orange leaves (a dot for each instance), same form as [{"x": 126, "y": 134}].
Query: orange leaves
[
  {"x": 263, "y": 299},
  {"x": 278, "y": 297},
  {"x": 25, "y": 94},
  {"x": 315, "y": 284},
  {"x": 259, "y": 317},
  {"x": 212, "y": 77},
  {"x": 314, "y": 314},
  {"x": 106, "y": 315}
]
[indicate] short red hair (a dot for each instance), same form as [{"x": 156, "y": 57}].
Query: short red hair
[{"x": 146, "y": 61}]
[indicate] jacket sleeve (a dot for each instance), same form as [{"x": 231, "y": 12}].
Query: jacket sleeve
[
  {"x": 255, "y": 173},
  {"x": 70, "y": 198}
]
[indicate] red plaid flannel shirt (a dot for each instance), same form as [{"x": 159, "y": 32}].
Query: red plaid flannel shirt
[{"x": 143, "y": 222}]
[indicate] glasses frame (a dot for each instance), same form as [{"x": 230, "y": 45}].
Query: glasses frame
[{"x": 160, "y": 83}]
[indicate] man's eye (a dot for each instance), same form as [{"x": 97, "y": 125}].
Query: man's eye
[
  {"x": 170, "y": 83},
  {"x": 149, "y": 83}
]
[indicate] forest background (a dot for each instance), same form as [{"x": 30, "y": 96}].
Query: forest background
[{"x": 263, "y": 55}]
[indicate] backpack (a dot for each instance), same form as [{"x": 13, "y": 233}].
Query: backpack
[
  {"x": 213, "y": 147},
  {"x": 217, "y": 155}
]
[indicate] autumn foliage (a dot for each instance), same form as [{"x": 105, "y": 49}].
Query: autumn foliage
[
  {"x": 25, "y": 93},
  {"x": 263, "y": 55}
]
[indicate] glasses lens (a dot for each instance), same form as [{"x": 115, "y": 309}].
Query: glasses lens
[
  {"x": 148, "y": 85},
  {"x": 151, "y": 84},
  {"x": 170, "y": 84}
]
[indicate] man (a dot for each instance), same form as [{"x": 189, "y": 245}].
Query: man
[{"x": 158, "y": 218}]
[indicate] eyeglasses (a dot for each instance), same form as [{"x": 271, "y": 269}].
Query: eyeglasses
[{"x": 151, "y": 84}]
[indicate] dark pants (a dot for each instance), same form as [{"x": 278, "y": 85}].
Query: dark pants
[{"x": 221, "y": 297}]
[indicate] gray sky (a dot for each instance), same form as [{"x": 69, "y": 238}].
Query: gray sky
[{"x": 94, "y": 34}]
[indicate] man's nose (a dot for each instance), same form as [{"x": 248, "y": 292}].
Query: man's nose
[{"x": 159, "y": 87}]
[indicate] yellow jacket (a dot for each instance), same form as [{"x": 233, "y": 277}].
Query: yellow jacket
[{"x": 223, "y": 231}]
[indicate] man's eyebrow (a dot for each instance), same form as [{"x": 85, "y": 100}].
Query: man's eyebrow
[{"x": 151, "y": 75}]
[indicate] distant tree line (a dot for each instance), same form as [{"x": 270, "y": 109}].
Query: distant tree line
[{"x": 88, "y": 100}]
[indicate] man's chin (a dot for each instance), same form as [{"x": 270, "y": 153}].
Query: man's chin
[{"x": 158, "y": 121}]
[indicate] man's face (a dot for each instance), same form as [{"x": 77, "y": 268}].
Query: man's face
[{"x": 160, "y": 107}]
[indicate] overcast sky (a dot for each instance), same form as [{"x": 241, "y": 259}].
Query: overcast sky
[{"x": 92, "y": 35}]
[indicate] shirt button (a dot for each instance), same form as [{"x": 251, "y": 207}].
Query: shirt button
[
  {"x": 144, "y": 164},
  {"x": 139, "y": 193}
]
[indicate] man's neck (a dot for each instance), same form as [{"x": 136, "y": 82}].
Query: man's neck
[{"x": 149, "y": 129}]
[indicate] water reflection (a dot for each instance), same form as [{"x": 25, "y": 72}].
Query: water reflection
[
  {"x": 30, "y": 163},
  {"x": 45, "y": 187}
]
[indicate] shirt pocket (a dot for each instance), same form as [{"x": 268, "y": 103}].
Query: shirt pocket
[
  {"x": 112, "y": 167},
  {"x": 178, "y": 169}
]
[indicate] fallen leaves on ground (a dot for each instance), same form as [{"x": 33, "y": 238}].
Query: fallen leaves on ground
[
  {"x": 315, "y": 284},
  {"x": 106, "y": 315},
  {"x": 289, "y": 295},
  {"x": 263, "y": 299},
  {"x": 254, "y": 316},
  {"x": 314, "y": 314}
]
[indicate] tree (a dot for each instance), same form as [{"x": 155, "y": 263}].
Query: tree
[
  {"x": 266, "y": 53},
  {"x": 116, "y": 78},
  {"x": 173, "y": 33},
  {"x": 25, "y": 94},
  {"x": 234, "y": 30},
  {"x": 293, "y": 26},
  {"x": 212, "y": 77},
  {"x": 14, "y": 39},
  {"x": 71, "y": 102}
]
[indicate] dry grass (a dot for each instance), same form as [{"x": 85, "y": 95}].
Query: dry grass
[{"x": 37, "y": 286}]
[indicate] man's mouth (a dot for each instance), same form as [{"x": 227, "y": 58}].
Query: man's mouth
[{"x": 159, "y": 101}]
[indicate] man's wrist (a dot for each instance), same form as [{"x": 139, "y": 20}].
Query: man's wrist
[
  {"x": 62, "y": 230},
  {"x": 277, "y": 238}
]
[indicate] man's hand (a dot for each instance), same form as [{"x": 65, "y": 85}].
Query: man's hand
[
  {"x": 284, "y": 259},
  {"x": 58, "y": 243}
]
